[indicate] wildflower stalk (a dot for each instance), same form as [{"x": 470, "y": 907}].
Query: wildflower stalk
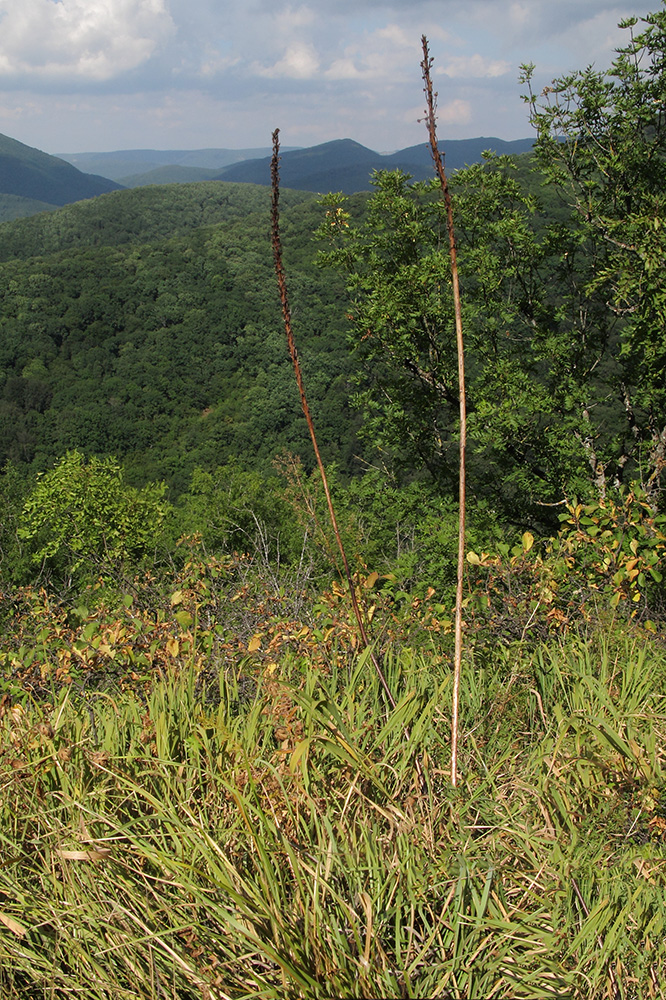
[
  {"x": 286, "y": 316},
  {"x": 438, "y": 158}
]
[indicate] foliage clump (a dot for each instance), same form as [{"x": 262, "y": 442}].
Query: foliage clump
[{"x": 82, "y": 517}]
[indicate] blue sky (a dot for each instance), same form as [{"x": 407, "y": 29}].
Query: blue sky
[{"x": 84, "y": 75}]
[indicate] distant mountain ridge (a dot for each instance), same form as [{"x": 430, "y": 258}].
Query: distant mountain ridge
[
  {"x": 338, "y": 165},
  {"x": 32, "y": 181},
  {"x": 345, "y": 165},
  {"x": 28, "y": 173},
  {"x": 129, "y": 164}
]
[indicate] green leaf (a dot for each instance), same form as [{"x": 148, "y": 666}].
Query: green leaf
[{"x": 90, "y": 629}]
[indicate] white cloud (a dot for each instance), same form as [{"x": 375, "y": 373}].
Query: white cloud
[
  {"x": 519, "y": 12},
  {"x": 299, "y": 62},
  {"x": 456, "y": 112},
  {"x": 93, "y": 40},
  {"x": 296, "y": 17},
  {"x": 343, "y": 69},
  {"x": 476, "y": 66},
  {"x": 387, "y": 53},
  {"x": 284, "y": 39},
  {"x": 181, "y": 73},
  {"x": 213, "y": 63},
  {"x": 19, "y": 110}
]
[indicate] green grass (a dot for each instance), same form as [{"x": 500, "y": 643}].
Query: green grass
[{"x": 283, "y": 846}]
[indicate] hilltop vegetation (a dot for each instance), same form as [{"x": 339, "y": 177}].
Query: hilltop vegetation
[
  {"x": 137, "y": 217},
  {"x": 209, "y": 790}
]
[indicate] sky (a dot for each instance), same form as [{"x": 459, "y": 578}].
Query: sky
[{"x": 98, "y": 75}]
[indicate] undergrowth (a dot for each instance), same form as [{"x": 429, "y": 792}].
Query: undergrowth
[{"x": 272, "y": 839}]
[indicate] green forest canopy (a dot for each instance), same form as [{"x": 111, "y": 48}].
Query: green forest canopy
[{"x": 148, "y": 328}]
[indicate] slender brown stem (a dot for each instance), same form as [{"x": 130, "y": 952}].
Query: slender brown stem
[
  {"x": 438, "y": 158},
  {"x": 286, "y": 316}
]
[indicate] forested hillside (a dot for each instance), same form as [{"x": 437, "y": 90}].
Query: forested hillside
[
  {"x": 30, "y": 179},
  {"x": 144, "y": 324}
]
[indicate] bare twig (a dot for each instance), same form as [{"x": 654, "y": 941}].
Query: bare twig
[{"x": 438, "y": 158}]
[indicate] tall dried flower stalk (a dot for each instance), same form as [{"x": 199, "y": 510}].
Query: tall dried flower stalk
[
  {"x": 438, "y": 158},
  {"x": 286, "y": 316}
]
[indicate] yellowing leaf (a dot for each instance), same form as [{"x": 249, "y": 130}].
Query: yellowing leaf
[
  {"x": 176, "y": 598},
  {"x": 528, "y": 541},
  {"x": 13, "y": 925},
  {"x": 173, "y": 647},
  {"x": 254, "y": 644},
  {"x": 300, "y": 752},
  {"x": 473, "y": 559},
  {"x": 371, "y": 580},
  {"x": 93, "y": 855}
]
